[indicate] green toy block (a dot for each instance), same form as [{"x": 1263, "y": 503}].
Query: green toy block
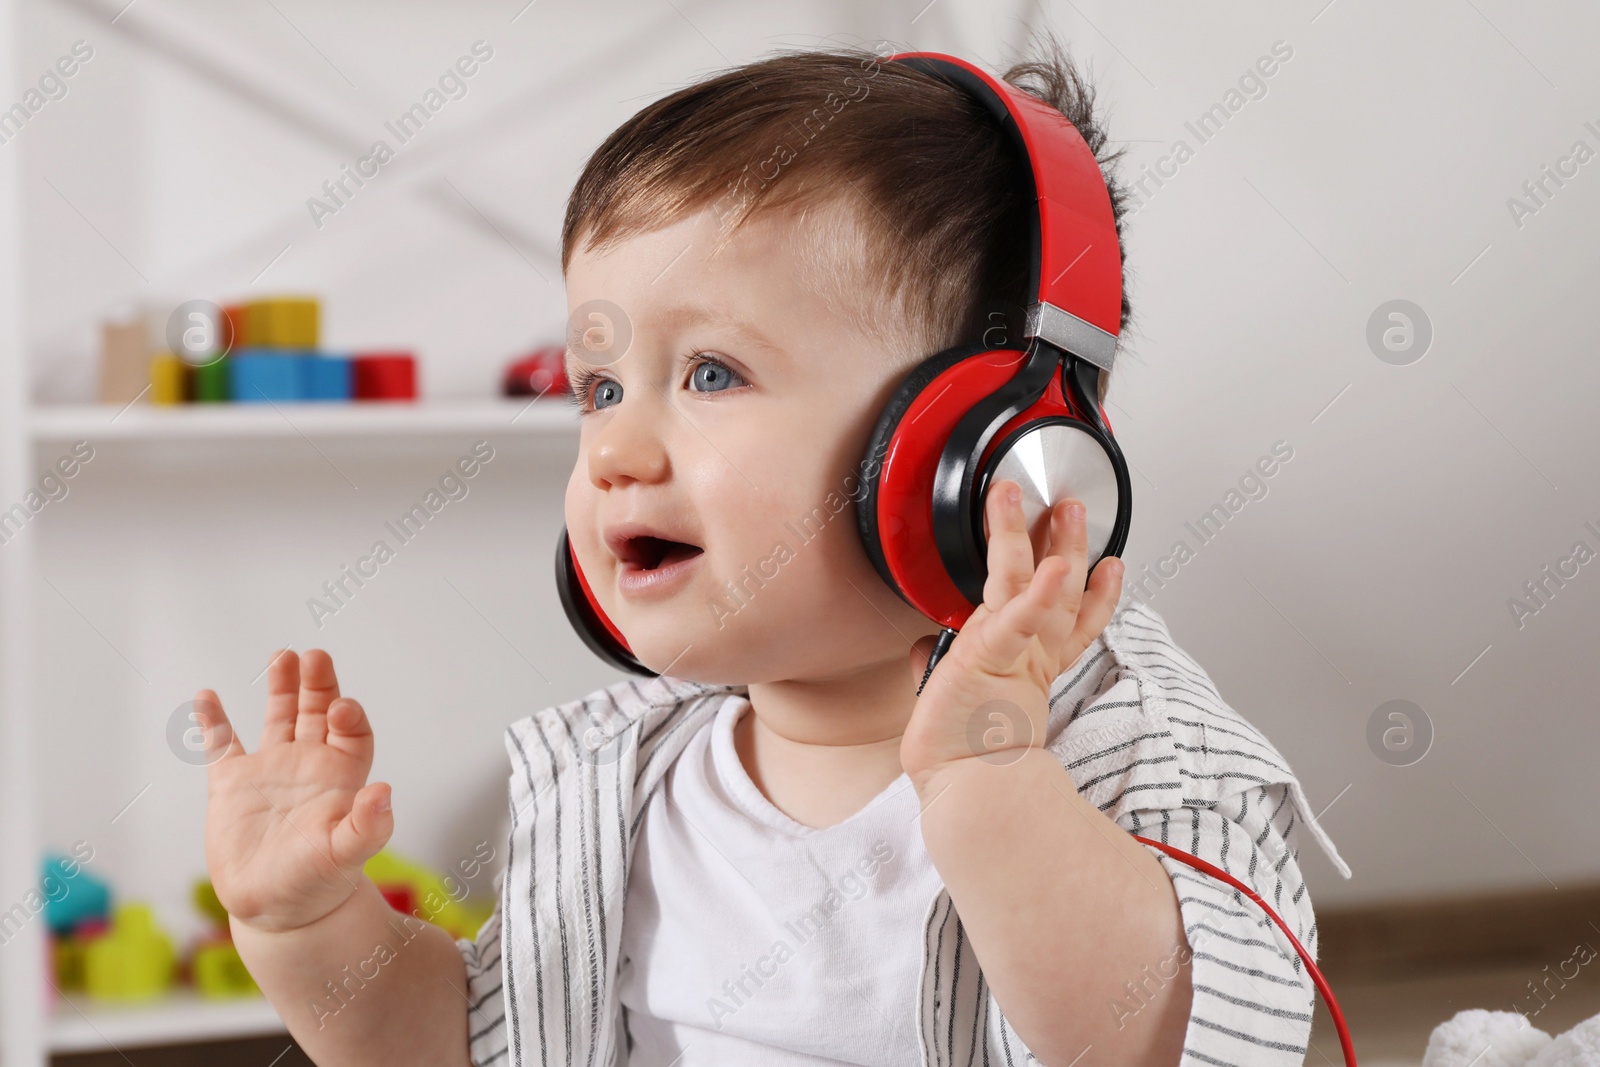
[
  {"x": 219, "y": 972},
  {"x": 213, "y": 382},
  {"x": 134, "y": 960}
]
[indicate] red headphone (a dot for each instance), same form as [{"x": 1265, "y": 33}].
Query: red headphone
[{"x": 975, "y": 413}]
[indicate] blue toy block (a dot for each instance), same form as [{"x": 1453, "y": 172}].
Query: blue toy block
[
  {"x": 262, "y": 375},
  {"x": 71, "y": 894},
  {"x": 327, "y": 377}
]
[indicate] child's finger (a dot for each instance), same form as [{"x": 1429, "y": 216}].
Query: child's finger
[
  {"x": 1069, "y": 537},
  {"x": 1005, "y": 634},
  {"x": 215, "y": 729},
  {"x": 366, "y": 829},
  {"x": 1010, "y": 547},
  {"x": 348, "y": 729},
  {"x": 283, "y": 697},
  {"x": 1069, "y": 542},
  {"x": 319, "y": 687},
  {"x": 1099, "y": 604}
]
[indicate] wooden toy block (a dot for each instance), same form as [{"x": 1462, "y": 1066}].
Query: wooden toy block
[
  {"x": 124, "y": 361},
  {"x": 212, "y": 383},
  {"x": 169, "y": 379},
  {"x": 285, "y": 322},
  {"x": 133, "y": 961},
  {"x": 384, "y": 375},
  {"x": 259, "y": 376},
  {"x": 328, "y": 377},
  {"x": 234, "y": 315}
]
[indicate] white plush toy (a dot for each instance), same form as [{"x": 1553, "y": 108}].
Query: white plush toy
[{"x": 1479, "y": 1038}]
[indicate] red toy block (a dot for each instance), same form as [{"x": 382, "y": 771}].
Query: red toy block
[{"x": 383, "y": 376}]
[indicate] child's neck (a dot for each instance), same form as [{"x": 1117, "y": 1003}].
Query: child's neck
[{"x": 820, "y": 749}]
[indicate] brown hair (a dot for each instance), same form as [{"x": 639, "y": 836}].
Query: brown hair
[{"x": 928, "y": 188}]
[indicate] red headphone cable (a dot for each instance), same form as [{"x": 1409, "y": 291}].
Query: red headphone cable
[{"x": 1316, "y": 975}]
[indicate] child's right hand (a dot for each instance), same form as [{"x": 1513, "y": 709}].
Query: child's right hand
[{"x": 289, "y": 827}]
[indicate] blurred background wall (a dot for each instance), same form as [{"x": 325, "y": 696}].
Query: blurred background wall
[{"x": 1420, "y": 484}]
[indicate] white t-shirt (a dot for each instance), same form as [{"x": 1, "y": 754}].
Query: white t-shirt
[{"x": 751, "y": 938}]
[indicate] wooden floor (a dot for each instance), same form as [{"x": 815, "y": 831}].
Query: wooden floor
[{"x": 1390, "y": 1020}]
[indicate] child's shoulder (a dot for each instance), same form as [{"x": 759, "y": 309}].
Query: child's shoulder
[
  {"x": 1139, "y": 724},
  {"x": 590, "y": 722}
]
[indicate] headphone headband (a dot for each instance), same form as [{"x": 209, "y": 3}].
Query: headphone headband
[{"x": 1073, "y": 231}]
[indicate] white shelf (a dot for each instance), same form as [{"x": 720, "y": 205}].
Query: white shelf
[
  {"x": 79, "y": 1024},
  {"x": 551, "y": 416}
]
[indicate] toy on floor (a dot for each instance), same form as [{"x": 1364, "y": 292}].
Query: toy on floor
[{"x": 1479, "y": 1038}]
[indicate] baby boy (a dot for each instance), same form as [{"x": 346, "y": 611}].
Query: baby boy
[{"x": 778, "y": 850}]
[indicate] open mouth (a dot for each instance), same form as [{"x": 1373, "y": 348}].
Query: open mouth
[{"x": 654, "y": 553}]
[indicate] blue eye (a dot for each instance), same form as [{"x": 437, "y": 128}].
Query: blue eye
[
  {"x": 712, "y": 374},
  {"x": 591, "y": 392},
  {"x": 606, "y": 387},
  {"x": 582, "y": 382}
]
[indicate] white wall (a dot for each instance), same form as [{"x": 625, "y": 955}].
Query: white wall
[{"x": 1379, "y": 565}]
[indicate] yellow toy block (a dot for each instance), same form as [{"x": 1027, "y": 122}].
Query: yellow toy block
[
  {"x": 133, "y": 961},
  {"x": 220, "y": 973},
  {"x": 434, "y": 901},
  {"x": 287, "y": 322},
  {"x": 169, "y": 379}
]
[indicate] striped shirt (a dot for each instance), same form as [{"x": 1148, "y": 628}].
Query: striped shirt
[{"x": 1135, "y": 721}]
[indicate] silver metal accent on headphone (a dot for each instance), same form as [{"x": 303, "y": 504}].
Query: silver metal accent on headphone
[
  {"x": 1071, "y": 334},
  {"x": 1039, "y": 461}
]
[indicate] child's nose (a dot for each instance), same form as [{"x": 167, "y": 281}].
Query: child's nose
[{"x": 626, "y": 446}]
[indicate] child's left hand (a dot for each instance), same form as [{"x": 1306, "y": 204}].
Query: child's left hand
[{"x": 988, "y": 697}]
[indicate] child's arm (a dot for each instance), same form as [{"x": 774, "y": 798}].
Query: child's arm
[
  {"x": 288, "y": 829},
  {"x": 1059, "y": 901},
  {"x": 1062, "y": 907},
  {"x": 406, "y": 1005}
]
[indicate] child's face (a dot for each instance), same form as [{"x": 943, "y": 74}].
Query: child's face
[{"x": 755, "y": 464}]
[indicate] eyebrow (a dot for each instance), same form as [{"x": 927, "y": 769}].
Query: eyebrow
[{"x": 701, "y": 313}]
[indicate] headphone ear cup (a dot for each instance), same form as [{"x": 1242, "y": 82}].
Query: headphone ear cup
[
  {"x": 587, "y": 617},
  {"x": 872, "y": 463}
]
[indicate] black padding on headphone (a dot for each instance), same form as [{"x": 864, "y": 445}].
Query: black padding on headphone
[{"x": 581, "y": 614}]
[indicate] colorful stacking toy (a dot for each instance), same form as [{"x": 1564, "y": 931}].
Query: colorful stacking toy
[{"x": 267, "y": 353}]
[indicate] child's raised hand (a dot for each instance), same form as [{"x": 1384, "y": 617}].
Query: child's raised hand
[
  {"x": 289, "y": 827},
  {"x": 988, "y": 697}
]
